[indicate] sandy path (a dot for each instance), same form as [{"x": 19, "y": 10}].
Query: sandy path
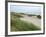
[{"x": 33, "y": 20}]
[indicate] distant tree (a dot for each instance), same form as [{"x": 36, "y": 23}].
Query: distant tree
[{"x": 39, "y": 16}]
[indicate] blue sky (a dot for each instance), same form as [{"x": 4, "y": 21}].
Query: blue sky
[{"x": 25, "y": 9}]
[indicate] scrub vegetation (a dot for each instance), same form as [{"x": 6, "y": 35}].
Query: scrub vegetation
[{"x": 19, "y": 25}]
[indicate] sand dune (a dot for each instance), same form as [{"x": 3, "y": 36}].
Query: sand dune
[{"x": 32, "y": 19}]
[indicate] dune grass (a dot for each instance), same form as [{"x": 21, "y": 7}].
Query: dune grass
[{"x": 19, "y": 25}]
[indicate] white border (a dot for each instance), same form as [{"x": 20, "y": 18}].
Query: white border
[{"x": 24, "y": 32}]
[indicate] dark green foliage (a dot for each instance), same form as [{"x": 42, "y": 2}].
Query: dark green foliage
[{"x": 39, "y": 16}]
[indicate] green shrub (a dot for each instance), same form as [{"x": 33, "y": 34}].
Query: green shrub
[{"x": 39, "y": 16}]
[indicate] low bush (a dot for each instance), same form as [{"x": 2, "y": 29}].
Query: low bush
[{"x": 39, "y": 16}]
